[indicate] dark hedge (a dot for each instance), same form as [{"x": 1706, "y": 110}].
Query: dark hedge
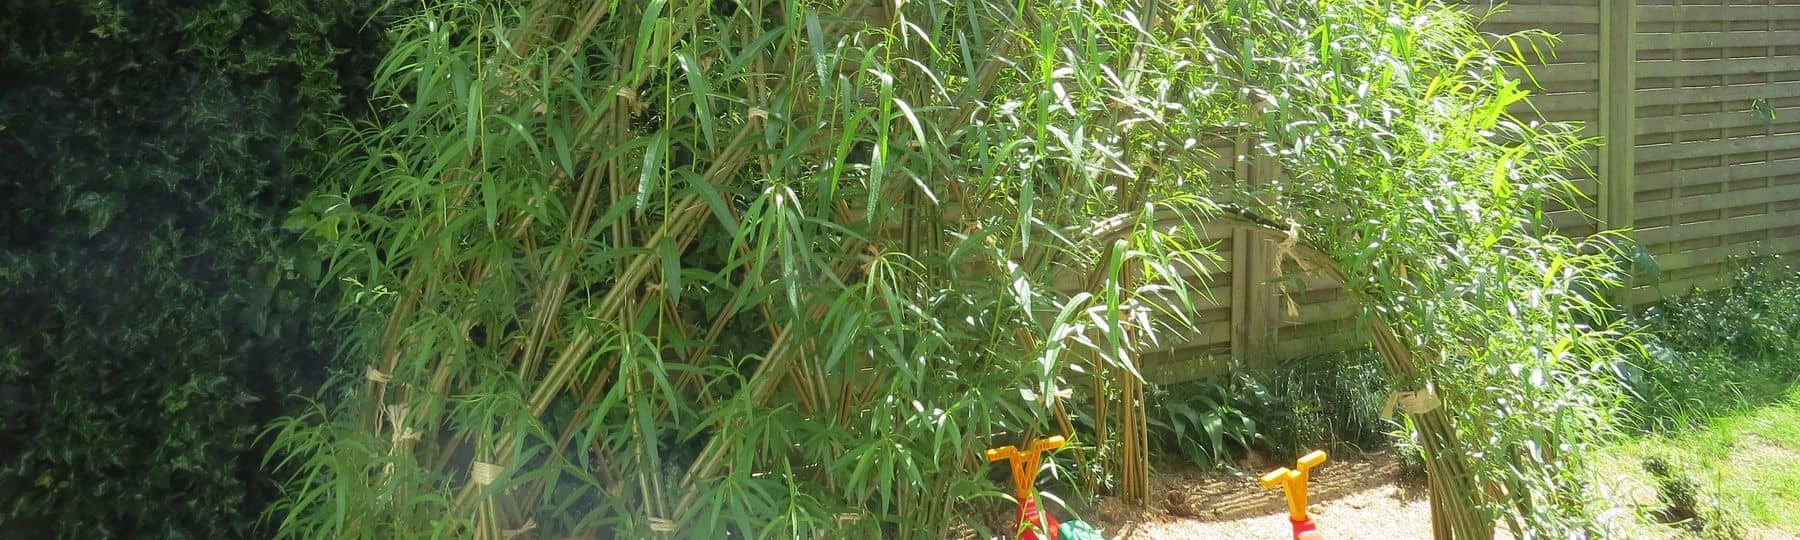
[{"x": 153, "y": 315}]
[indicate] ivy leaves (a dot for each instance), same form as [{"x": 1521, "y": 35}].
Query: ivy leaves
[{"x": 153, "y": 312}]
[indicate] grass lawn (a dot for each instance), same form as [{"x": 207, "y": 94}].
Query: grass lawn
[{"x": 1740, "y": 473}]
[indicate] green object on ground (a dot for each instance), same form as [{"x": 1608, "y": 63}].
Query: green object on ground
[{"x": 1078, "y": 530}]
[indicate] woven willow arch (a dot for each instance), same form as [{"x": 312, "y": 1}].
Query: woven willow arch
[{"x": 1454, "y": 495}]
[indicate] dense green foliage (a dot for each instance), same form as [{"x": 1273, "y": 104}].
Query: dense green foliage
[
  {"x": 1715, "y": 352},
  {"x": 1329, "y": 401},
  {"x": 152, "y": 313},
  {"x": 784, "y": 268},
  {"x": 1214, "y": 421}
]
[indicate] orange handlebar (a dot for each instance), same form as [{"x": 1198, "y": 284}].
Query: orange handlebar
[{"x": 1025, "y": 463}]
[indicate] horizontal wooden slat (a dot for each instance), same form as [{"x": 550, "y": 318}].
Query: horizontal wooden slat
[
  {"x": 1170, "y": 368},
  {"x": 1341, "y": 309},
  {"x": 1304, "y": 283},
  {"x": 1211, "y": 333},
  {"x": 1652, "y": 293},
  {"x": 1711, "y": 40},
  {"x": 1716, "y": 201},
  {"x": 1717, "y": 147},
  {"x": 1559, "y": 72},
  {"x": 1657, "y": 14},
  {"x": 1552, "y": 46},
  {"x": 1586, "y": 186},
  {"x": 1721, "y": 227},
  {"x": 1656, "y": 125},
  {"x": 1559, "y": 104},
  {"x": 1208, "y": 267},
  {"x": 1718, "y": 66},
  {"x": 1716, "y": 94},
  {"x": 1563, "y": 219},
  {"x": 1719, "y": 254},
  {"x": 1533, "y": 15},
  {"x": 1568, "y": 43},
  {"x": 1710, "y": 175}
]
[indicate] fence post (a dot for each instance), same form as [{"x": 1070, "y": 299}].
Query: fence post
[
  {"x": 1618, "y": 113},
  {"x": 1618, "y": 123},
  {"x": 1255, "y": 304},
  {"x": 1241, "y": 258}
]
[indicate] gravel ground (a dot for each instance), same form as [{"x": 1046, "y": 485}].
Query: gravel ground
[
  {"x": 1353, "y": 498},
  {"x": 1385, "y": 513}
]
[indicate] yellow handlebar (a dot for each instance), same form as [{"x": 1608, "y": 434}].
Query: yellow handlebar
[
  {"x": 1293, "y": 483},
  {"x": 1024, "y": 463}
]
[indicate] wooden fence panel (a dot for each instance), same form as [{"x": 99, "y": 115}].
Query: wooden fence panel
[
  {"x": 1698, "y": 102},
  {"x": 1184, "y": 356},
  {"x": 1718, "y": 137}
]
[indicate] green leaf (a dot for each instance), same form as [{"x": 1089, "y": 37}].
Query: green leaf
[
  {"x": 647, "y": 26},
  {"x": 100, "y": 209},
  {"x": 671, "y": 268},
  {"x": 1763, "y": 110},
  {"x": 654, "y": 168},
  {"x": 701, "y": 94},
  {"x": 710, "y": 194}
]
